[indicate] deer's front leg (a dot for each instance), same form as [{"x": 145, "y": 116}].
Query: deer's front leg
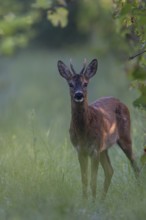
[
  {"x": 94, "y": 170},
  {"x": 108, "y": 171},
  {"x": 83, "y": 160}
]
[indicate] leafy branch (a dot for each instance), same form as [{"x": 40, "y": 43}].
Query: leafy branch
[{"x": 130, "y": 18}]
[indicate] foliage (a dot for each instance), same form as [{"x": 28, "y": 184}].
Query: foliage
[
  {"x": 15, "y": 24},
  {"x": 130, "y": 20},
  {"x": 17, "y": 19}
]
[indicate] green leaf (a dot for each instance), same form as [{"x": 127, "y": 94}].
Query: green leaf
[
  {"x": 58, "y": 17},
  {"x": 139, "y": 73},
  {"x": 141, "y": 101}
]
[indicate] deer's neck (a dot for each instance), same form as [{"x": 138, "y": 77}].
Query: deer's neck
[{"x": 80, "y": 114}]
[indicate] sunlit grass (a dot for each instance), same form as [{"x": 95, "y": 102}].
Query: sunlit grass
[{"x": 39, "y": 170}]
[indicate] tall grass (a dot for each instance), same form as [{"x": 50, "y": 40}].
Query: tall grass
[{"x": 39, "y": 171}]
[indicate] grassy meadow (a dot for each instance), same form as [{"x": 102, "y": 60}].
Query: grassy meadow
[{"x": 39, "y": 170}]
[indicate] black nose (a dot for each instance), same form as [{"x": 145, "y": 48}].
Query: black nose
[{"x": 78, "y": 96}]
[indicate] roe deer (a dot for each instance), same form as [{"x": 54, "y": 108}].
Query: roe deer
[{"x": 95, "y": 128}]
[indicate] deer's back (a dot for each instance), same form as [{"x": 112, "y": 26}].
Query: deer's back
[
  {"x": 108, "y": 104},
  {"x": 111, "y": 108}
]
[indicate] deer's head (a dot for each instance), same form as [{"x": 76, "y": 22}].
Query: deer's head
[{"x": 78, "y": 82}]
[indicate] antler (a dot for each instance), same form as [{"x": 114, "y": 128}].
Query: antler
[
  {"x": 84, "y": 66},
  {"x": 72, "y": 68}
]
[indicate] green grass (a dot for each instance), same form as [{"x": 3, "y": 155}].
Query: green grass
[{"x": 39, "y": 170}]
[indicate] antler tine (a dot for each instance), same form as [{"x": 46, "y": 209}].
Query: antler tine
[
  {"x": 84, "y": 66},
  {"x": 71, "y": 66}
]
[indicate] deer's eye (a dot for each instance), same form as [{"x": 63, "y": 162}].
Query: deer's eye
[
  {"x": 85, "y": 85},
  {"x": 71, "y": 85}
]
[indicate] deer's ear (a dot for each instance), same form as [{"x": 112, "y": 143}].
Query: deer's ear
[
  {"x": 91, "y": 69},
  {"x": 64, "y": 70}
]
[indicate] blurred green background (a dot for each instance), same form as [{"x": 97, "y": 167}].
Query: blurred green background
[{"x": 39, "y": 170}]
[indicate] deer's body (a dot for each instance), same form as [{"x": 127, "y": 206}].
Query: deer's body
[{"x": 95, "y": 128}]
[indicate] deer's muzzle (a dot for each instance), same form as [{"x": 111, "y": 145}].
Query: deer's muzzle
[{"x": 79, "y": 96}]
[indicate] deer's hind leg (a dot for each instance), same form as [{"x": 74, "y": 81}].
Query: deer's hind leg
[
  {"x": 126, "y": 145},
  {"x": 108, "y": 171},
  {"x": 124, "y": 141}
]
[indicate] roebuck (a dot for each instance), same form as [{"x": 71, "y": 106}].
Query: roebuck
[{"x": 95, "y": 128}]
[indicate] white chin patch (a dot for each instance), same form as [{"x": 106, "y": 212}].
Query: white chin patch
[{"x": 79, "y": 100}]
